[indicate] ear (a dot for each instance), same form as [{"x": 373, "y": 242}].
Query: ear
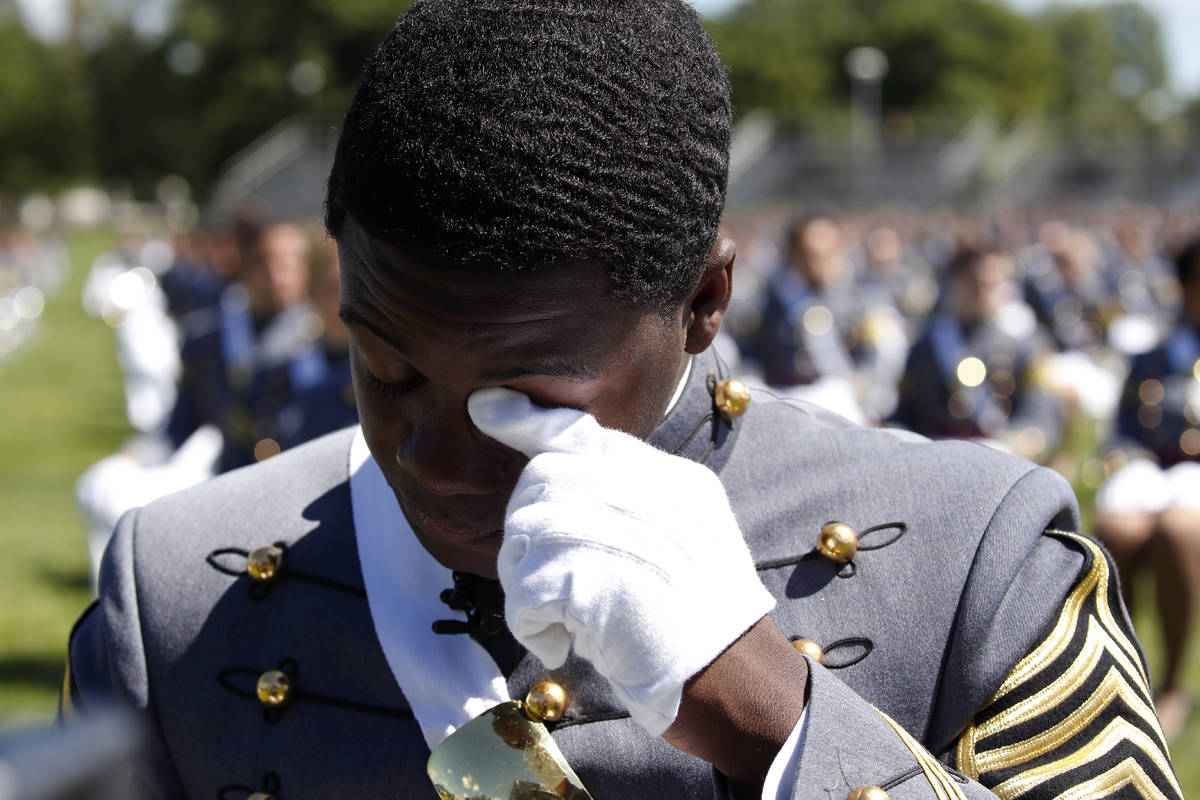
[{"x": 705, "y": 309}]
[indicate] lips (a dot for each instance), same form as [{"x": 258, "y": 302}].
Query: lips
[{"x": 451, "y": 532}]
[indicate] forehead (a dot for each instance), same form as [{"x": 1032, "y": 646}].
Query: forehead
[
  {"x": 388, "y": 288},
  {"x": 282, "y": 236},
  {"x": 994, "y": 265}
]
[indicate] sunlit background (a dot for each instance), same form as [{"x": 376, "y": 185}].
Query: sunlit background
[{"x": 135, "y": 133}]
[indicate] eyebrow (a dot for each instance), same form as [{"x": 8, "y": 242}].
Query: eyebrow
[
  {"x": 570, "y": 369},
  {"x": 352, "y": 318},
  {"x": 551, "y": 367}
]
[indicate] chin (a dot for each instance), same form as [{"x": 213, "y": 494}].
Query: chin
[
  {"x": 462, "y": 550},
  {"x": 476, "y": 554},
  {"x": 479, "y": 558}
]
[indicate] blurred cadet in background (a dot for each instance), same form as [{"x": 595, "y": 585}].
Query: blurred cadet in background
[
  {"x": 308, "y": 394},
  {"x": 977, "y": 370},
  {"x": 1149, "y": 510},
  {"x": 1066, "y": 286},
  {"x": 208, "y": 260},
  {"x": 898, "y": 275},
  {"x": 1143, "y": 278},
  {"x": 263, "y": 369},
  {"x": 31, "y": 269},
  {"x": 821, "y": 330},
  {"x": 259, "y": 322},
  {"x": 124, "y": 289},
  {"x": 147, "y": 289}
]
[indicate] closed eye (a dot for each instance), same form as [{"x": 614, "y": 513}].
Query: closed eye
[{"x": 393, "y": 390}]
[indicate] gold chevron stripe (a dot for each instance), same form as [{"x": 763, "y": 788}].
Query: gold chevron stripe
[
  {"x": 1111, "y": 688},
  {"x": 1065, "y": 685},
  {"x": 943, "y": 787},
  {"x": 1116, "y": 732},
  {"x": 965, "y": 757},
  {"x": 1106, "y": 615},
  {"x": 1104, "y": 635},
  {"x": 1122, "y": 775},
  {"x": 1058, "y": 639}
]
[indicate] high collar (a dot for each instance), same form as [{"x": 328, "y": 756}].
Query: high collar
[{"x": 693, "y": 429}]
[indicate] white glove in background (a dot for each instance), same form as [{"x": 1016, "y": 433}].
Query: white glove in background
[{"x": 627, "y": 553}]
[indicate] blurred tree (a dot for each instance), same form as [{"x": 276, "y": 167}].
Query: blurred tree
[
  {"x": 43, "y": 115},
  {"x": 954, "y": 58},
  {"x": 785, "y": 55},
  {"x": 1110, "y": 63},
  {"x": 223, "y": 74},
  {"x": 948, "y": 58}
]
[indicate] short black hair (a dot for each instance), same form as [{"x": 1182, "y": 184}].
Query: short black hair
[
  {"x": 969, "y": 255},
  {"x": 1187, "y": 263},
  {"x": 513, "y": 134}
]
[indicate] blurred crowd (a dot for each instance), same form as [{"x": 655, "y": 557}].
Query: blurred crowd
[
  {"x": 1012, "y": 328},
  {"x": 31, "y": 269},
  {"x": 1019, "y": 329},
  {"x": 230, "y": 349},
  {"x": 867, "y": 308}
]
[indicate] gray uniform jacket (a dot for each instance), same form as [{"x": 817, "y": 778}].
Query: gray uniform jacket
[{"x": 971, "y": 615}]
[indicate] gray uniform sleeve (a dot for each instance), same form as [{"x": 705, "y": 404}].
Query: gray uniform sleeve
[
  {"x": 1044, "y": 691},
  {"x": 1074, "y": 718},
  {"x": 107, "y": 660}
]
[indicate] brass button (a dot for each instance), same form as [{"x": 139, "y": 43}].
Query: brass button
[
  {"x": 261, "y": 796},
  {"x": 274, "y": 688},
  {"x": 546, "y": 701},
  {"x": 263, "y": 563},
  {"x": 810, "y": 648},
  {"x": 732, "y": 398},
  {"x": 867, "y": 793},
  {"x": 838, "y": 542}
]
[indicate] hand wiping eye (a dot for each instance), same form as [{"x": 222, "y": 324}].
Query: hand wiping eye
[{"x": 613, "y": 547}]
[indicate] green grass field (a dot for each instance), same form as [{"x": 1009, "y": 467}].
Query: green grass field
[{"x": 61, "y": 409}]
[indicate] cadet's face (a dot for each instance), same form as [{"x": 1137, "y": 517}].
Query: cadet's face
[
  {"x": 423, "y": 339},
  {"x": 280, "y": 276},
  {"x": 822, "y": 246},
  {"x": 985, "y": 287}
]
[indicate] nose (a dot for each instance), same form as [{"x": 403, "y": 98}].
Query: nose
[{"x": 446, "y": 455}]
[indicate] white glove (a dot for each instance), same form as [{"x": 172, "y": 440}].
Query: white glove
[{"x": 631, "y": 555}]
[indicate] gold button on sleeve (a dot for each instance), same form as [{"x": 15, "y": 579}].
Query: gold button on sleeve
[
  {"x": 261, "y": 796},
  {"x": 732, "y": 398},
  {"x": 867, "y": 793},
  {"x": 546, "y": 701},
  {"x": 838, "y": 542},
  {"x": 810, "y": 648},
  {"x": 263, "y": 563},
  {"x": 274, "y": 688}
]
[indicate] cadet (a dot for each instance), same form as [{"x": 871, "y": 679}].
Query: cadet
[
  {"x": 1148, "y": 513},
  {"x": 565, "y": 549},
  {"x": 1068, "y": 290},
  {"x": 976, "y": 370},
  {"x": 309, "y": 394},
  {"x": 818, "y": 326},
  {"x": 260, "y": 321}
]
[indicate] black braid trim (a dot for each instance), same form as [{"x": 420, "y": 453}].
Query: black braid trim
[
  {"x": 259, "y": 591},
  {"x": 230, "y": 680}
]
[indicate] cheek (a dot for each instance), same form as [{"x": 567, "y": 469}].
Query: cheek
[
  {"x": 380, "y": 420},
  {"x": 635, "y": 400}
]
